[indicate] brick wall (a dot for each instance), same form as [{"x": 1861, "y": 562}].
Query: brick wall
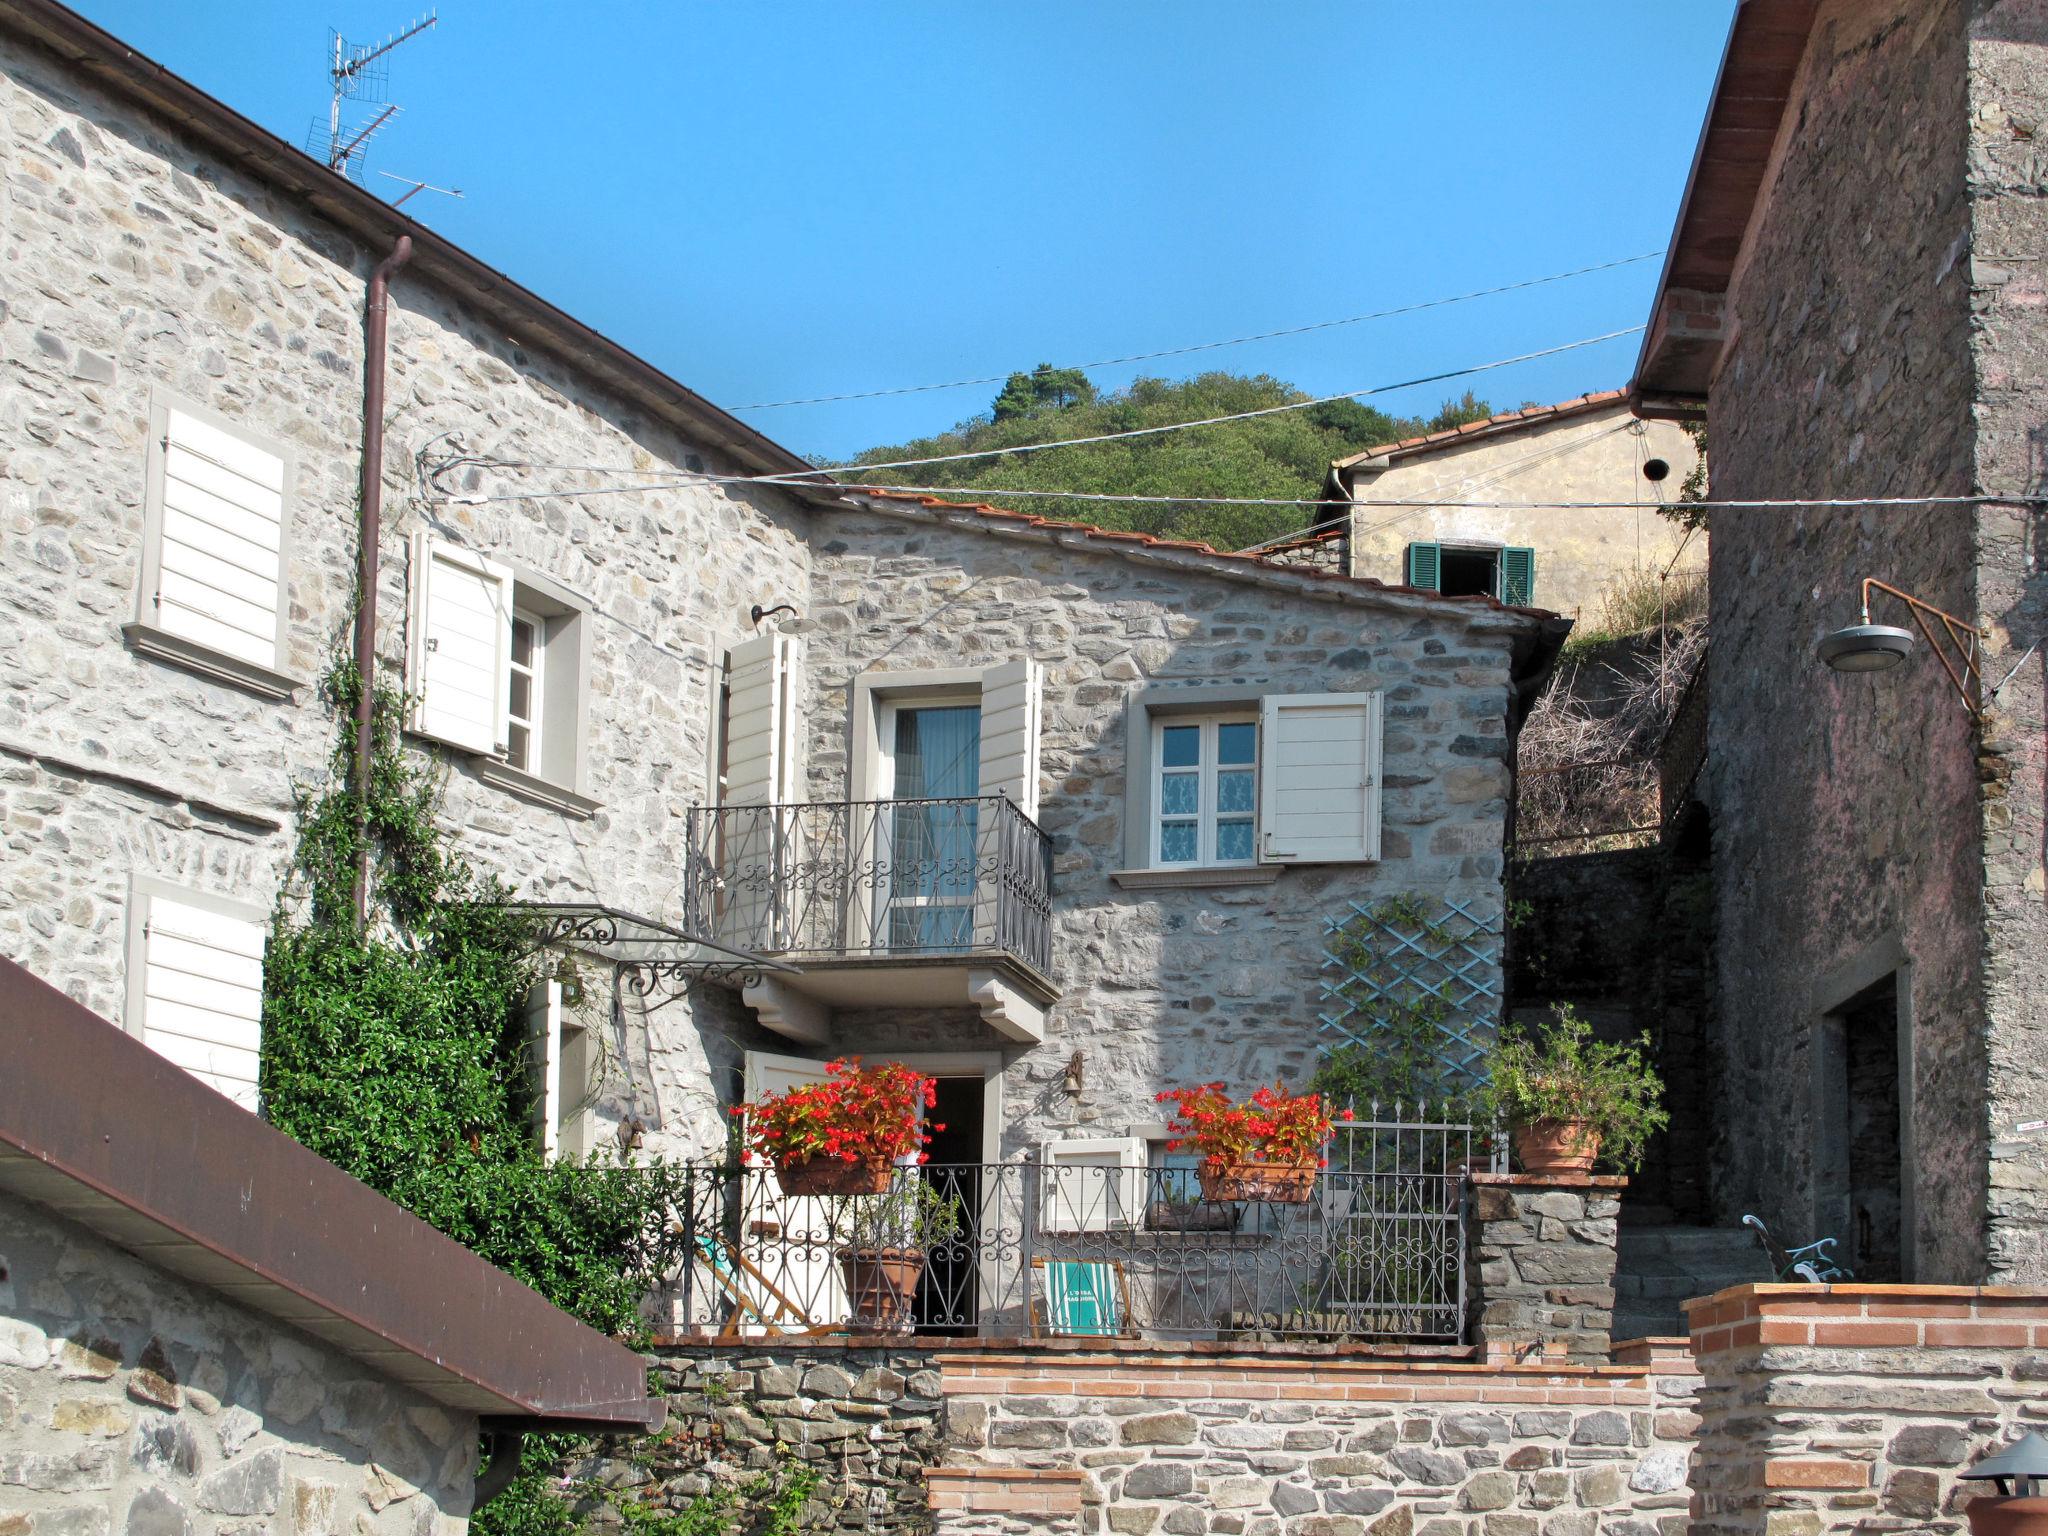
[{"x": 1854, "y": 1407}]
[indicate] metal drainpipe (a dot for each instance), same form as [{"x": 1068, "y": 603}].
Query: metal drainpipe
[
  {"x": 372, "y": 499},
  {"x": 503, "y": 1446}
]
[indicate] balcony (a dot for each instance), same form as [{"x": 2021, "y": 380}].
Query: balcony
[{"x": 880, "y": 903}]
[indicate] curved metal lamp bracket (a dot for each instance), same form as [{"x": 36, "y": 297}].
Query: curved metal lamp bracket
[{"x": 1956, "y": 648}]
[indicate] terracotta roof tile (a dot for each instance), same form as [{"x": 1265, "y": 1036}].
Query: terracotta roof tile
[
  {"x": 1506, "y": 421},
  {"x": 1245, "y": 563}
]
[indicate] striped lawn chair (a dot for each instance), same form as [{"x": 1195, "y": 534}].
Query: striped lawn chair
[{"x": 1081, "y": 1298}]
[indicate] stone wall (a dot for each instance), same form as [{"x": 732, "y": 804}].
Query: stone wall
[
  {"x": 1845, "y": 808},
  {"x": 1167, "y": 986},
  {"x": 132, "y": 1401},
  {"x": 132, "y": 260},
  {"x": 2008, "y": 102},
  {"x": 1542, "y": 1265},
  {"x": 864, "y": 1421},
  {"x": 1627, "y": 939},
  {"x": 1222, "y": 1444},
  {"x": 1853, "y": 1409},
  {"x": 1580, "y": 554}
]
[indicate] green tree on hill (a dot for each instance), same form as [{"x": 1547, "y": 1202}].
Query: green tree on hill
[{"x": 1285, "y": 456}]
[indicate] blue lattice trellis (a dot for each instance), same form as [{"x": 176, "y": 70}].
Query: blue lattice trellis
[{"x": 1393, "y": 965}]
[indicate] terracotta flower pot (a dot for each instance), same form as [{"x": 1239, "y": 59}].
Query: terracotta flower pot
[
  {"x": 881, "y": 1283},
  {"x": 1557, "y": 1146},
  {"x": 1276, "y": 1183},
  {"x": 1992, "y": 1515},
  {"x": 833, "y": 1176}
]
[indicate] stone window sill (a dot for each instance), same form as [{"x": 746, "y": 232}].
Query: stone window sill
[
  {"x": 1195, "y": 879},
  {"x": 159, "y": 645},
  {"x": 502, "y": 775}
]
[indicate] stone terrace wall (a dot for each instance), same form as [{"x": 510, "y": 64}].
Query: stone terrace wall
[
  {"x": 1274, "y": 1444},
  {"x": 866, "y": 1420},
  {"x": 131, "y": 1401},
  {"x": 1853, "y": 1408}
]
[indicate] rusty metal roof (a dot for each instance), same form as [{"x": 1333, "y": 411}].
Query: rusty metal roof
[{"x": 103, "y": 1131}]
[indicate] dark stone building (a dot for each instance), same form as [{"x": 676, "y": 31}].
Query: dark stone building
[{"x": 1855, "y": 296}]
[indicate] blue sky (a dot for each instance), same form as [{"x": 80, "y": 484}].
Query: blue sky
[{"x": 771, "y": 199}]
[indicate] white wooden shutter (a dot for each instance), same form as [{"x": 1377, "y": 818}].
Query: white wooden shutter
[
  {"x": 220, "y": 563},
  {"x": 764, "y": 680},
  {"x": 461, "y": 653},
  {"x": 202, "y": 993},
  {"x": 1319, "y": 778},
  {"x": 544, "y": 1040},
  {"x": 1091, "y": 1183},
  {"x": 1010, "y": 706}
]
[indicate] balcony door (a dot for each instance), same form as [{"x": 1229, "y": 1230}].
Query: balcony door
[{"x": 926, "y": 858}]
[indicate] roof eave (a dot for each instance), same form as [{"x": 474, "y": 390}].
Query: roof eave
[
  {"x": 1687, "y": 329},
  {"x": 527, "y": 319},
  {"x": 101, "y": 1130}
]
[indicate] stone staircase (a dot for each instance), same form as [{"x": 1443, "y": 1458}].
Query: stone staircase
[{"x": 1658, "y": 1267}]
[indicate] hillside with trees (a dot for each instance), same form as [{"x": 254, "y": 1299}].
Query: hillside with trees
[{"x": 1285, "y": 455}]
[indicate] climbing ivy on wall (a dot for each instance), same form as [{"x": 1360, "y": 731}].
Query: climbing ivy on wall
[{"x": 399, "y": 1053}]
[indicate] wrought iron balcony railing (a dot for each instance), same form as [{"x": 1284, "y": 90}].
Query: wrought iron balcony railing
[
  {"x": 872, "y": 878},
  {"x": 1377, "y": 1251}
]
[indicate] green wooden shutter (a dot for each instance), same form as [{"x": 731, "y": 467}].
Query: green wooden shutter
[
  {"x": 1425, "y": 567},
  {"x": 1518, "y": 576}
]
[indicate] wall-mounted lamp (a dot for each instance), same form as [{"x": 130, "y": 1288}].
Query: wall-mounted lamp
[
  {"x": 1073, "y": 1082},
  {"x": 757, "y": 613},
  {"x": 1869, "y": 647}
]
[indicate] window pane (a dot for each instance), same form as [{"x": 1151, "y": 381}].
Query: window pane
[
  {"x": 1180, "y": 794},
  {"x": 1234, "y": 790},
  {"x": 519, "y": 748},
  {"x": 1233, "y": 840},
  {"x": 522, "y": 696},
  {"x": 1237, "y": 743},
  {"x": 522, "y": 641},
  {"x": 1177, "y": 843},
  {"x": 1181, "y": 746}
]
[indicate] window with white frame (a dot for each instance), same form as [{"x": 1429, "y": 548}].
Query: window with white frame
[
  {"x": 216, "y": 541},
  {"x": 1228, "y": 783},
  {"x": 1206, "y": 790},
  {"x": 528, "y": 675},
  {"x": 498, "y": 666},
  {"x": 195, "y": 983}
]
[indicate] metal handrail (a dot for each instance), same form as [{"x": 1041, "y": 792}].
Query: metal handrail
[{"x": 911, "y": 878}]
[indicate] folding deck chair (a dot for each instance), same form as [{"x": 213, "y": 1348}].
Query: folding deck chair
[
  {"x": 768, "y": 1307},
  {"x": 1081, "y": 1299}
]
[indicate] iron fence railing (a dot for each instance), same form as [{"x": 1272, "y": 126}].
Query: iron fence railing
[
  {"x": 872, "y": 878},
  {"x": 1377, "y": 1251}
]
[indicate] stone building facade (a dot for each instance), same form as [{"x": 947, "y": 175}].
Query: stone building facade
[
  {"x": 1591, "y": 449},
  {"x": 724, "y": 646},
  {"x": 132, "y": 1401},
  {"x": 1838, "y": 302}
]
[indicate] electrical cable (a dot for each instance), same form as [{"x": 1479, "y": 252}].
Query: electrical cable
[
  {"x": 1210, "y": 346},
  {"x": 1206, "y": 421}
]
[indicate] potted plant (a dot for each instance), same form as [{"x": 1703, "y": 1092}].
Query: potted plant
[
  {"x": 1568, "y": 1098},
  {"x": 887, "y": 1243},
  {"x": 1267, "y": 1148},
  {"x": 845, "y": 1135}
]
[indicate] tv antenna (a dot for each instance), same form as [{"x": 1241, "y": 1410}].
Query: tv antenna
[
  {"x": 414, "y": 186},
  {"x": 360, "y": 72}
]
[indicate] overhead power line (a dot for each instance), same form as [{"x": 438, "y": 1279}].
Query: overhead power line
[
  {"x": 1206, "y": 421},
  {"x": 794, "y": 477},
  {"x": 1210, "y": 346}
]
